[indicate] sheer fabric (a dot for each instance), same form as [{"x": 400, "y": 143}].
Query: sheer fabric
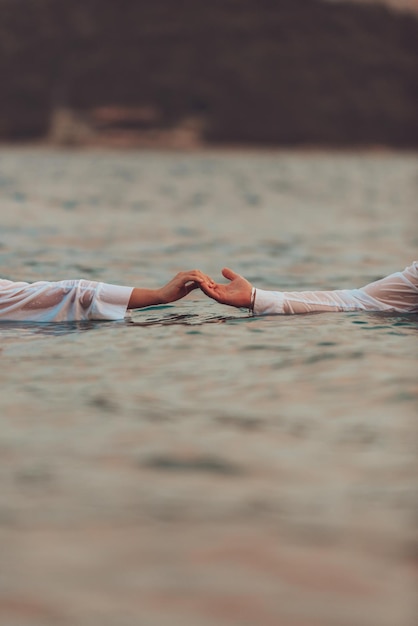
[
  {"x": 70, "y": 300},
  {"x": 396, "y": 293},
  {"x": 62, "y": 301}
]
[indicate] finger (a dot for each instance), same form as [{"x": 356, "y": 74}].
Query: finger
[
  {"x": 211, "y": 291},
  {"x": 230, "y": 274},
  {"x": 197, "y": 276},
  {"x": 200, "y": 276},
  {"x": 207, "y": 289}
]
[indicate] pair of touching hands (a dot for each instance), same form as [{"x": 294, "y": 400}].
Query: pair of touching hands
[{"x": 237, "y": 292}]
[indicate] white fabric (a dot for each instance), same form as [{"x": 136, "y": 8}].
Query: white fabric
[
  {"x": 70, "y": 300},
  {"x": 397, "y": 293},
  {"x": 63, "y": 301}
]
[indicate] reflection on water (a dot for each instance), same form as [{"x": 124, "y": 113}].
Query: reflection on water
[
  {"x": 184, "y": 319},
  {"x": 22, "y": 330},
  {"x": 268, "y": 460}
]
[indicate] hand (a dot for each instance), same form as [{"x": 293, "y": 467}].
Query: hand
[
  {"x": 236, "y": 293},
  {"x": 182, "y": 284}
]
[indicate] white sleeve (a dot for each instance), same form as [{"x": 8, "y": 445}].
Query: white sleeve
[
  {"x": 396, "y": 293},
  {"x": 62, "y": 301}
]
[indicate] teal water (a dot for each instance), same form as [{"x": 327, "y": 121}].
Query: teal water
[{"x": 194, "y": 457}]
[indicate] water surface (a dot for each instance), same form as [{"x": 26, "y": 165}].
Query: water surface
[{"x": 193, "y": 464}]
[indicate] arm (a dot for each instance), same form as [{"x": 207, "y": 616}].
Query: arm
[
  {"x": 71, "y": 300},
  {"x": 182, "y": 284},
  {"x": 395, "y": 293}
]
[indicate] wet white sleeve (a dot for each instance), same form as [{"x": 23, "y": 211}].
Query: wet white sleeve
[
  {"x": 62, "y": 301},
  {"x": 396, "y": 293}
]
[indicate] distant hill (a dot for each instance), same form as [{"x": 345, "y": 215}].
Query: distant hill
[{"x": 277, "y": 72}]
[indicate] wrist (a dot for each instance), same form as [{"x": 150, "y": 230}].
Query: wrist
[{"x": 159, "y": 298}]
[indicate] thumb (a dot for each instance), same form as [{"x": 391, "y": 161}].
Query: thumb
[{"x": 229, "y": 274}]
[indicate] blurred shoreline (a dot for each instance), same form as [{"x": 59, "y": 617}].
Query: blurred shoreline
[
  {"x": 45, "y": 145},
  {"x": 280, "y": 73}
]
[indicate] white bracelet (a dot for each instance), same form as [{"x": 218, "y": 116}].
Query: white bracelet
[{"x": 253, "y": 294}]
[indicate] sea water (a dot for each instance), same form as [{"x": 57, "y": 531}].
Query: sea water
[{"x": 193, "y": 464}]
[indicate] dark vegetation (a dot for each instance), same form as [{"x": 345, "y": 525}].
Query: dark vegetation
[{"x": 256, "y": 71}]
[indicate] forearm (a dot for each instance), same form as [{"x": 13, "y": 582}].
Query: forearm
[
  {"x": 145, "y": 297},
  {"x": 290, "y": 303},
  {"x": 63, "y": 301},
  {"x": 396, "y": 293}
]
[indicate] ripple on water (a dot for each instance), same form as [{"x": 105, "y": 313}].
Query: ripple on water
[
  {"x": 322, "y": 410},
  {"x": 207, "y": 464}
]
